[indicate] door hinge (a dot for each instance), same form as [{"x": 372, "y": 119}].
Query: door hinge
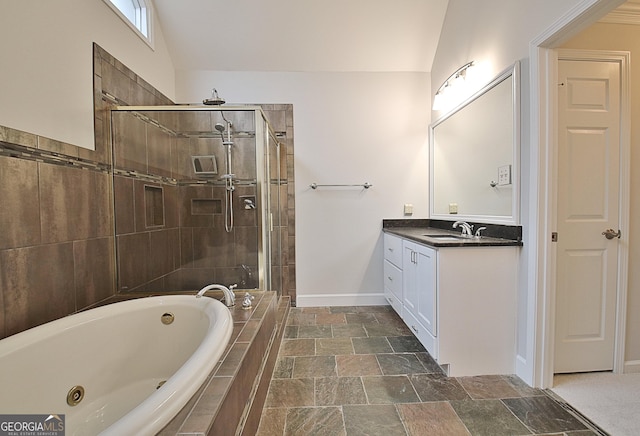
[{"x": 554, "y": 236}]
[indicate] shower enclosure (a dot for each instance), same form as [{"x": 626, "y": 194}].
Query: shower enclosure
[{"x": 199, "y": 198}]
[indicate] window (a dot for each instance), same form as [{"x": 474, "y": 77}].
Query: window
[{"x": 137, "y": 14}]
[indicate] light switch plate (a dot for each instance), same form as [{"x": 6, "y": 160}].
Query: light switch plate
[
  {"x": 504, "y": 175},
  {"x": 453, "y": 208}
]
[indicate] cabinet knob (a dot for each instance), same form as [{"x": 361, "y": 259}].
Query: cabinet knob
[{"x": 390, "y": 278}]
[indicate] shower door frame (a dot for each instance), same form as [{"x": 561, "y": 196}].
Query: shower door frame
[
  {"x": 268, "y": 229},
  {"x": 263, "y": 131}
]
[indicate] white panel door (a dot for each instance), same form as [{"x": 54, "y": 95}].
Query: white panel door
[{"x": 587, "y": 205}]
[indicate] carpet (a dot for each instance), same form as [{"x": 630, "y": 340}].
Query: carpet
[{"x": 611, "y": 401}]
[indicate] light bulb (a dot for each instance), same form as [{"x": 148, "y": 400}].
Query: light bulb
[{"x": 438, "y": 101}]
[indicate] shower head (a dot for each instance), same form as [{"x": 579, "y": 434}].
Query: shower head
[
  {"x": 221, "y": 128},
  {"x": 215, "y": 100}
]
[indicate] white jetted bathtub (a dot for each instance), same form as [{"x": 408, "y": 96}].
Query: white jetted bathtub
[{"x": 122, "y": 369}]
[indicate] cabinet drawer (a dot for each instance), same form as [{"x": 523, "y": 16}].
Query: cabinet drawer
[
  {"x": 393, "y": 301},
  {"x": 426, "y": 339},
  {"x": 393, "y": 249},
  {"x": 393, "y": 279}
]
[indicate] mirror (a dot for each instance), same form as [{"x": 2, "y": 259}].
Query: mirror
[{"x": 475, "y": 156}]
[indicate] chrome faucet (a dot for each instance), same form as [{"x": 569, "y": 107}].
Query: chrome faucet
[
  {"x": 480, "y": 229},
  {"x": 229, "y": 296},
  {"x": 467, "y": 229}
]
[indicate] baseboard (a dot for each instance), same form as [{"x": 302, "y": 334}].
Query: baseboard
[
  {"x": 522, "y": 370},
  {"x": 324, "y": 300},
  {"x": 631, "y": 366}
]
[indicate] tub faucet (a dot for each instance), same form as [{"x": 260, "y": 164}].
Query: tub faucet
[
  {"x": 467, "y": 229},
  {"x": 229, "y": 296}
]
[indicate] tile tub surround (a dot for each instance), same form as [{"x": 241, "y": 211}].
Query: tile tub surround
[
  {"x": 358, "y": 370},
  {"x": 57, "y": 249},
  {"x": 58, "y": 212},
  {"x": 56, "y": 244}
]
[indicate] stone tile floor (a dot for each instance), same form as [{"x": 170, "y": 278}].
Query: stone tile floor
[{"x": 360, "y": 371}]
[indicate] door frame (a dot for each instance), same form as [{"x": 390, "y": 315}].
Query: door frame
[{"x": 543, "y": 184}]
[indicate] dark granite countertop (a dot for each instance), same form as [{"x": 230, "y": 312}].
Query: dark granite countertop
[{"x": 437, "y": 234}]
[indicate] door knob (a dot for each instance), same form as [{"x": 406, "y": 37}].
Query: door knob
[{"x": 610, "y": 234}]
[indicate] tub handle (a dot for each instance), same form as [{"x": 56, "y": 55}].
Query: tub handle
[{"x": 247, "y": 302}]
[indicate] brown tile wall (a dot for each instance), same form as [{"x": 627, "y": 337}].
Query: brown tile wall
[
  {"x": 280, "y": 118},
  {"x": 57, "y": 248},
  {"x": 56, "y": 244},
  {"x": 57, "y": 252},
  {"x": 146, "y": 212},
  {"x": 205, "y": 253}
]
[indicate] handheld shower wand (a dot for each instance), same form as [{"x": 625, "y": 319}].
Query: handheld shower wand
[{"x": 228, "y": 177}]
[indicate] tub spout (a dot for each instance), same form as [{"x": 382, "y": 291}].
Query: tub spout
[{"x": 229, "y": 296}]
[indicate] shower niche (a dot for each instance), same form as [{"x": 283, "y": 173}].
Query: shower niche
[{"x": 200, "y": 197}]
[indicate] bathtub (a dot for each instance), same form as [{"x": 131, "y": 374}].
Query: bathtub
[{"x": 129, "y": 366}]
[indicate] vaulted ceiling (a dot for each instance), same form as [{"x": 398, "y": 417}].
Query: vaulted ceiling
[
  {"x": 311, "y": 35},
  {"x": 302, "y": 35}
]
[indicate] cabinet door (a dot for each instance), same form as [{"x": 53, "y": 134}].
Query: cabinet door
[
  {"x": 427, "y": 307},
  {"x": 409, "y": 278}
]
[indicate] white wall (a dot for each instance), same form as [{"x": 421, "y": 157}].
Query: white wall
[
  {"x": 349, "y": 128},
  {"x": 46, "y": 79},
  {"x": 495, "y": 34}
]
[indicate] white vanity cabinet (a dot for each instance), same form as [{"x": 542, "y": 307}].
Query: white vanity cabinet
[
  {"x": 477, "y": 307},
  {"x": 460, "y": 302}
]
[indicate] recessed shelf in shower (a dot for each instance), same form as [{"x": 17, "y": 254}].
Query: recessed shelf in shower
[{"x": 154, "y": 206}]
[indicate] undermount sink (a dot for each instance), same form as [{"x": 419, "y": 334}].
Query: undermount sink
[{"x": 444, "y": 238}]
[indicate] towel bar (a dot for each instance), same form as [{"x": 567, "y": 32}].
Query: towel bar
[{"x": 365, "y": 185}]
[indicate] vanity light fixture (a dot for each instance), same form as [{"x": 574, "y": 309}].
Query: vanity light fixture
[{"x": 452, "y": 90}]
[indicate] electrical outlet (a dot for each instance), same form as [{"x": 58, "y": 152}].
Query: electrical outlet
[
  {"x": 504, "y": 175},
  {"x": 453, "y": 208},
  {"x": 408, "y": 209}
]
